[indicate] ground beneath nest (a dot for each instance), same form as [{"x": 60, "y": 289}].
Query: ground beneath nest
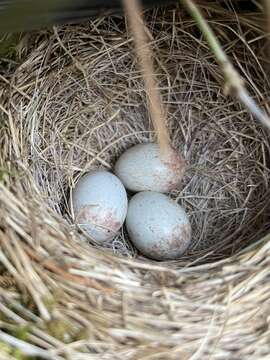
[{"x": 82, "y": 103}]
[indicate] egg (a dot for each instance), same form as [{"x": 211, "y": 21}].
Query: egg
[
  {"x": 158, "y": 226},
  {"x": 143, "y": 167},
  {"x": 99, "y": 202}
]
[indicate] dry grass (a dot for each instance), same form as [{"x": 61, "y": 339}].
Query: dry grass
[{"x": 77, "y": 102}]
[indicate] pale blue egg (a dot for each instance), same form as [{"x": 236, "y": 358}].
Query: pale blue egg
[
  {"x": 158, "y": 226},
  {"x": 99, "y": 202},
  {"x": 143, "y": 168}
]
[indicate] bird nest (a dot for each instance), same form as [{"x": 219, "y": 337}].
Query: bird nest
[{"x": 75, "y": 103}]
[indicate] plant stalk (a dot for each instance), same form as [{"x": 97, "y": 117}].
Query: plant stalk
[{"x": 234, "y": 84}]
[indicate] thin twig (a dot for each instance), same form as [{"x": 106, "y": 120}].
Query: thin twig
[
  {"x": 234, "y": 84},
  {"x": 143, "y": 50}
]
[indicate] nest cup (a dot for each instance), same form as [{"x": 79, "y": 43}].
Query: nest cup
[{"x": 76, "y": 103}]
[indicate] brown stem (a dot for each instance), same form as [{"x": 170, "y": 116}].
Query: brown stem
[{"x": 134, "y": 13}]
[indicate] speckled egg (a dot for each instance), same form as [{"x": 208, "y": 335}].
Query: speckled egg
[
  {"x": 143, "y": 167},
  {"x": 158, "y": 226},
  {"x": 99, "y": 202}
]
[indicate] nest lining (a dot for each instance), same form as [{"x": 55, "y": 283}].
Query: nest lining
[{"x": 87, "y": 105}]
